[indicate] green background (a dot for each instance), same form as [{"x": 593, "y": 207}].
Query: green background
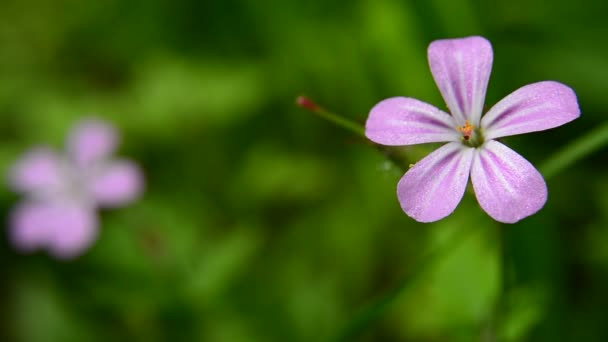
[{"x": 262, "y": 222}]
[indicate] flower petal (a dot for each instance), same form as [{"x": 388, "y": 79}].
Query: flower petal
[
  {"x": 66, "y": 229},
  {"x": 406, "y": 121},
  {"x": 461, "y": 68},
  {"x": 507, "y": 186},
  {"x": 27, "y": 229},
  {"x": 117, "y": 183},
  {"x": 534, "y": 107},
  {"x": 92, "y": 140},
  {"x": 433, "y": 187},
  {"x": 39, "y": 170}
]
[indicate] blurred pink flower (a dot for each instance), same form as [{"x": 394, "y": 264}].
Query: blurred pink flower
[
  {"x": 507, "y": 186},
  {"x": 63, "y": 192}
]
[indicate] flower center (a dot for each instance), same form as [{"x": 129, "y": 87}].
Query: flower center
[{"x": 471, "y": 135}]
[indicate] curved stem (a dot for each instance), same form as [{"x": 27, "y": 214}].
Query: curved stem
[
  {"x": 376, "y": 309},
  {"x": 577, "y": 150}
]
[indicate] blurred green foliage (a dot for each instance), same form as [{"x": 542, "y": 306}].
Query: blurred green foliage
[{"x": 262, "y": 222}]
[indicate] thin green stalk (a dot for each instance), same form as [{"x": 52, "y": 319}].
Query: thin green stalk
[
  {"x": 506, "y": 283},
  {"x": 577, "y": 150},
  {"x": 341, "y": 121},
  {"x": 388, "y": 151},
  {"x": 378, "y": 308}
]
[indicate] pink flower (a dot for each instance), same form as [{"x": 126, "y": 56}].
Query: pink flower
[
  {"x": 64, "y": 192},
  {"x": 507, "y": 186}
]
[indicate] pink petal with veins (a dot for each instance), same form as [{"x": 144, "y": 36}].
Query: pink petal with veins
[
  {"x": 507, "y": 186},
  {"x": 461, "y": 68},
  {"x": 432, "y": 188}
]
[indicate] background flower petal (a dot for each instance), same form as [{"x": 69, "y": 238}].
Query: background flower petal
[
  {"x": 92, "y": 140},
  {"x": 66, "y": 229},
  {"x": 433, "y": 187},
  {"x": 461, "y": 68},
  {"x": 39, "y": 170},
  {"x": 534, "y": 107},
  {"x": 116, "y": 183},
  {"x": 406, "y": 121},
  {"x": 507, "y": 186},
  {"x": 28, "y": 228}
]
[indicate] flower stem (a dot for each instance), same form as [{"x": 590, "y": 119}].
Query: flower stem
[
  {"x": 390, "y": 152},
  {"x": 575, "y": 151},
  {"x": 505, "y": 281},
  {"x": 378, "y": 308},
  {"x": 341, "y": 121}
]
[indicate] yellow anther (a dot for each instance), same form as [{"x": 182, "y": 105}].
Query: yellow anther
[{"x": 466, "y": 130}]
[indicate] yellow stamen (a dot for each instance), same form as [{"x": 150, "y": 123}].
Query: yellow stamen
[{"x": 466, "y": 130}]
